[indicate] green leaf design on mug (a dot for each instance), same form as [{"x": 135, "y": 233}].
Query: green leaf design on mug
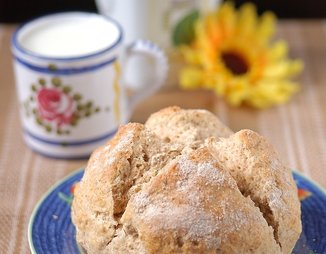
[
  {"x": 55, "y": 107},
  {"x": 56, "y": 81}
]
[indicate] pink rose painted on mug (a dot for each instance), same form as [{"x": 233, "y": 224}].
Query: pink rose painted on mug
[{"x": 56, "y": 107}]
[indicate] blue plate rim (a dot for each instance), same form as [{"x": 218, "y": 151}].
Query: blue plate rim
[
  {"x": 75, "y": 172},
  {"x": 40, "y": 202},
  {"x": 308, "y": 179}
]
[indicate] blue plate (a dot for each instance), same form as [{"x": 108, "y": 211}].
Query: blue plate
[{"x": 51, "y": 230}]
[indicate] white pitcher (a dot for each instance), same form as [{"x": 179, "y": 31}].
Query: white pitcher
[{"x": 151, "y": 19}]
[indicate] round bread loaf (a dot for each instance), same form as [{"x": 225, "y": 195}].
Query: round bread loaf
[{"x": 143, "y": 195}]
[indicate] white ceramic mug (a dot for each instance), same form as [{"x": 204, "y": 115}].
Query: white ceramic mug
[{"x": 69, "y": 70}]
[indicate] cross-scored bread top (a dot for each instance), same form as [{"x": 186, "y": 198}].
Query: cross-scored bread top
[
  {"x": 142, "y": 194},
  {"x": 193, "y": 206}
]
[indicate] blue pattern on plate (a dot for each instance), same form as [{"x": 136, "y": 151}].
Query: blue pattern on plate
[
  {"x": 51, "y": 229},
  {"x": 313, "y": 217}
]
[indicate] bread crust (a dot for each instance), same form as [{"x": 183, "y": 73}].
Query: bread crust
[
  {"x": 102, "y": 195},
  {"x": 186, "y": 126},
  {"x": 142, "y": 194},
  {"x": 193, "y": 206},
  {"x": 260, "y": 175}
]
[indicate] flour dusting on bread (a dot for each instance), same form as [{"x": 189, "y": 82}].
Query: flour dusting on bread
[{"x": 184, "y": 183}]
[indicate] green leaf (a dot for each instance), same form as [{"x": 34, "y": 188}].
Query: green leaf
[{"x": 184, "y": 31}]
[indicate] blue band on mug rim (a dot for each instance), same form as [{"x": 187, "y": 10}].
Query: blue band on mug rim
[
  {"x": 70, "y": 143},
  {"x": 16, "y": 45},
  {"x": 64, "y": 71}
]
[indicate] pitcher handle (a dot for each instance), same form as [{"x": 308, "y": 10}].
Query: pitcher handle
[{"x": 158, "y": 75}]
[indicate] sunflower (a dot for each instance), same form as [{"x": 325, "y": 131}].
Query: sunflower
[{"x": 232, "y": 54}]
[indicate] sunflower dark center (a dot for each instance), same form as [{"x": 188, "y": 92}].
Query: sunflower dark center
[{"x": 235, "y": 63}]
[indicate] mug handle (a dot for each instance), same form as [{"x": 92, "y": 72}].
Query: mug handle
[{"x": 159, "y": 73}]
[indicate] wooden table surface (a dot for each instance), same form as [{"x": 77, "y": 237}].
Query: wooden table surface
[{"x": 296, "y": 129}]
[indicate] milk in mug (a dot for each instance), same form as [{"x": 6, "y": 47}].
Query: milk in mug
[{"x": 70, "y": 37}]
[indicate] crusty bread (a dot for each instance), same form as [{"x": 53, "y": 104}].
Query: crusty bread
[
  {"x": 193, "y": 206},
  {"x": 186, "y": 126},
  {"x": 113, "y": 173},
  {"x": 144, "y": 194},
  {"x": 260, "y": 175}
]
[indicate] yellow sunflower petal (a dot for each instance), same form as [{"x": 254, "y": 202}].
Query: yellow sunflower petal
[
  {"x": 267, "y": 93},
  {"x": 209, "y": 29},
  {"x": 247, "y": 19},
  {"x": 205, "y": 47},
  {"x": 191, "y": 56},
  {"x": 237, "y": 91},
  {"x": 227, "y": 19},
  {"x": 278, "y": 50},
  {"x": 283, "y": 69},
  {"x": 217, "y": 83},
  {"x": 191, "y": 78},
  {"x": 266, "y": 27},
  {"x": 295, "y": 67}
]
